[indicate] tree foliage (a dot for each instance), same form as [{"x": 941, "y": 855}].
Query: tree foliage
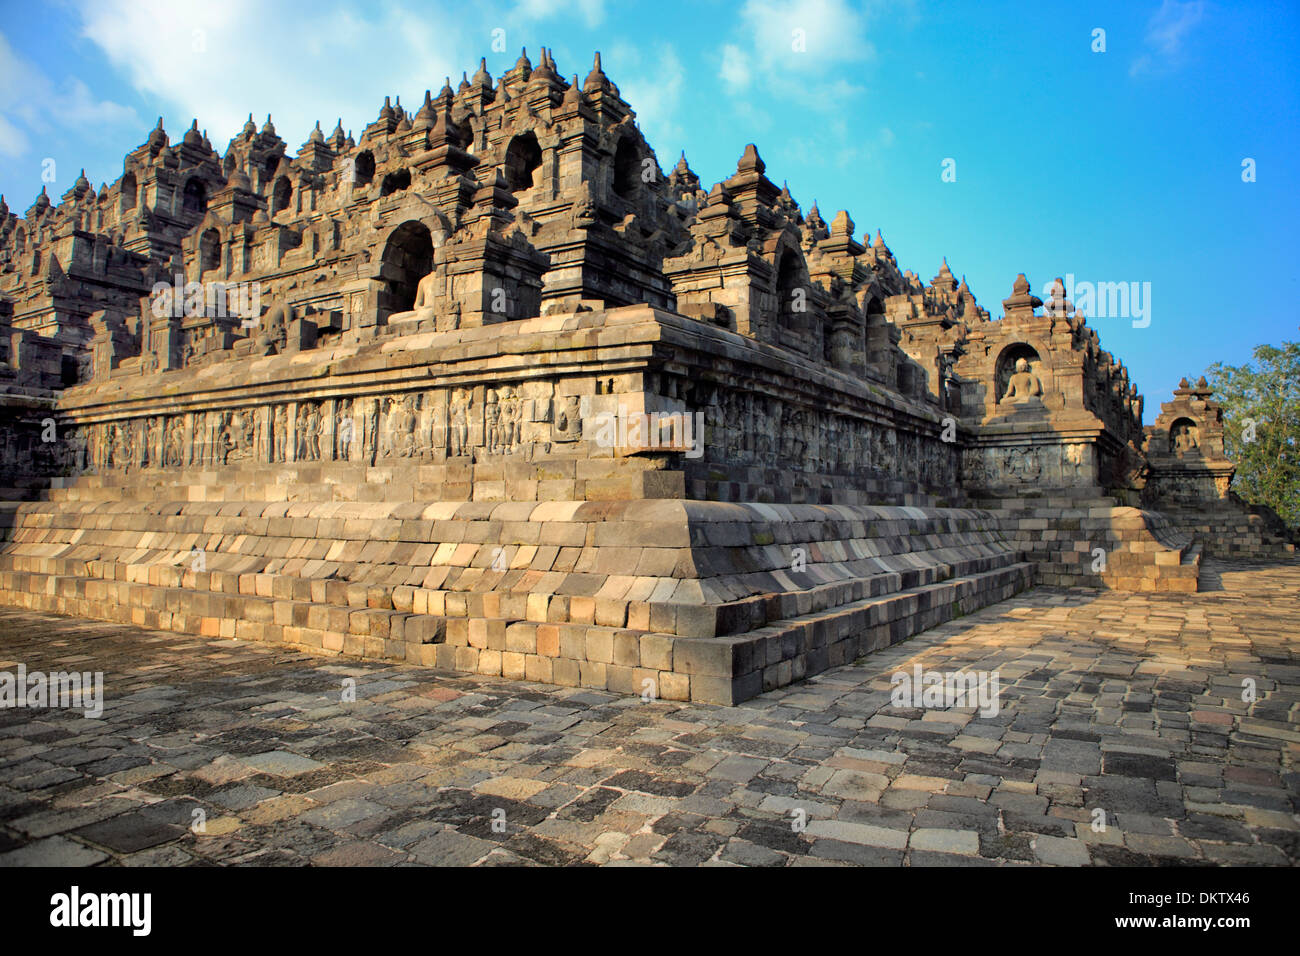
[{"x": 1265, "y": 393}]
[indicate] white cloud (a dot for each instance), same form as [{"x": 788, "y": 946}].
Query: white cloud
[
  {"x": 734, "y": 71},
  {"x": 13, "y": 141},
  {"x": 1166, "y": 36},
  {"x": 33, "y": 105},
  {"x": 654, "y": 90},
  {"x": 783, "y": 47},
  {"x": 806, "y": 36},
  {"x": 593, "y": 11},
  {"x": 300, "y": 61}
]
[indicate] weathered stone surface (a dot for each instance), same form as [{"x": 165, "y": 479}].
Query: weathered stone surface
[
  {"x": 427, "y": 767},
  {"x": 486, "y": 389}
]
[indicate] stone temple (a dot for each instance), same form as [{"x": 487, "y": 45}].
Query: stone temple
[{"x": 488, "y": 390}]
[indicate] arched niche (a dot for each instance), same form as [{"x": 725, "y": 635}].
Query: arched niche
[
  {"x": 395, "y": 182},
  {"x": 1184, "y": 437},
  {"x": 209, "y": 250},
  {"x": 1006, "y": 366},
  {"x": 128, "y": 191},
  {"x": 194, "y": 198},
  {"x": 407, "y": 258},
  {"x": 627, "y": 168},
  {"x": 363, "y": 169},
  {"x": 281, "y": 194},
  {"x": 792, "y": 315},
  {"x": 522, "y": 160}
]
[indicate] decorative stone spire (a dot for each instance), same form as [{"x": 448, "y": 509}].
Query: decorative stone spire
[
  {"x": 544, "y": 70},
  {"x": 1021, "y": 303},
  {"x": 523, "y": 67},
  {"x": 250, "y": 128},
  {"x": 750, "y": 161},
  {"x": 682, "y": 180},
  {"x": 444, "y": 130},
  {"x": 239, "y": 180},
  {"x": 445, "y": 96},
  {"x": 596, "y": 80},
  {"x": 158, "y": 138},
  {"x": 719, "y": 203},
  {"x": 317, "y": 136},
  {"x": 1057, "y": 303},
  {"x": 192, "y": 135},
  {"x": 425, "y": 115},
  {"x": 268, "y": 129},
  {"x": 945, "y": 281},
  {"x": 337, "y": 138},
  {"x": 842, "y": 224},
  {"x": 41, "y": 204},
  {"x": 573, "y": 101}
]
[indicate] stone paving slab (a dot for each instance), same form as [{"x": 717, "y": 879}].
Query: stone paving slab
[{"x": 1120, "y": 737}]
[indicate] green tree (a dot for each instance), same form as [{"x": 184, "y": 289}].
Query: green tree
[{"x": 1264, "y": 394}]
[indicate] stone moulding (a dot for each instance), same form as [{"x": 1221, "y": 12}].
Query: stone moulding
[
  {"x": 769, "y": 430},
  {"x": 710, "y": 601},
  {"x": 510, "y": 398}
]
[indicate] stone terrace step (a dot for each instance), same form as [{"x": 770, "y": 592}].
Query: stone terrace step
[
  {"x": 700, "y": 567},
  {"x": 1143, "y": 550},
  {"x": 723, "y": 670},
  {"x": 710, "y": 600}
]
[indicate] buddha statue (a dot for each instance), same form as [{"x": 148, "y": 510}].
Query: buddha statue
[{"x": 1024, "y": 385}]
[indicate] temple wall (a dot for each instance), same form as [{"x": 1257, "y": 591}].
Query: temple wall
[{"x": 561, "y": 404}]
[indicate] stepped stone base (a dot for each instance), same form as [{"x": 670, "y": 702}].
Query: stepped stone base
[
  {"x": 688, "y": 600},
  {"x": 1091, "y": 542},
  {"x": 1229, "y": 530}
]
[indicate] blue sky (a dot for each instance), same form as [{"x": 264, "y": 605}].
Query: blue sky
[{"x": 1115, "y": 166}]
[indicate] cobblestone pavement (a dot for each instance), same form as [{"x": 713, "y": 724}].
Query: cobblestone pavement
[{"x": 1121, "y": 703}]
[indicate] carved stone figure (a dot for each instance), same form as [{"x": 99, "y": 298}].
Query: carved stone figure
[
  {"x": 1023, "y": 464},
  {"x": 458, "y": 423},
  {"x": 280, "y": 433},
  {"x": 398, "y": 430},
  {"x": 1024, "y": 385},
  {"x": 568, "y": 419},
  {"x": 509, "y": 425},
  {"x": 344, "y": 430},
  {"x": 1183, "y": 438},
  {"x": 174, "y": 450},
  {"x": 492, "y": 422},
  {"x": 238, "y": 436}
]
